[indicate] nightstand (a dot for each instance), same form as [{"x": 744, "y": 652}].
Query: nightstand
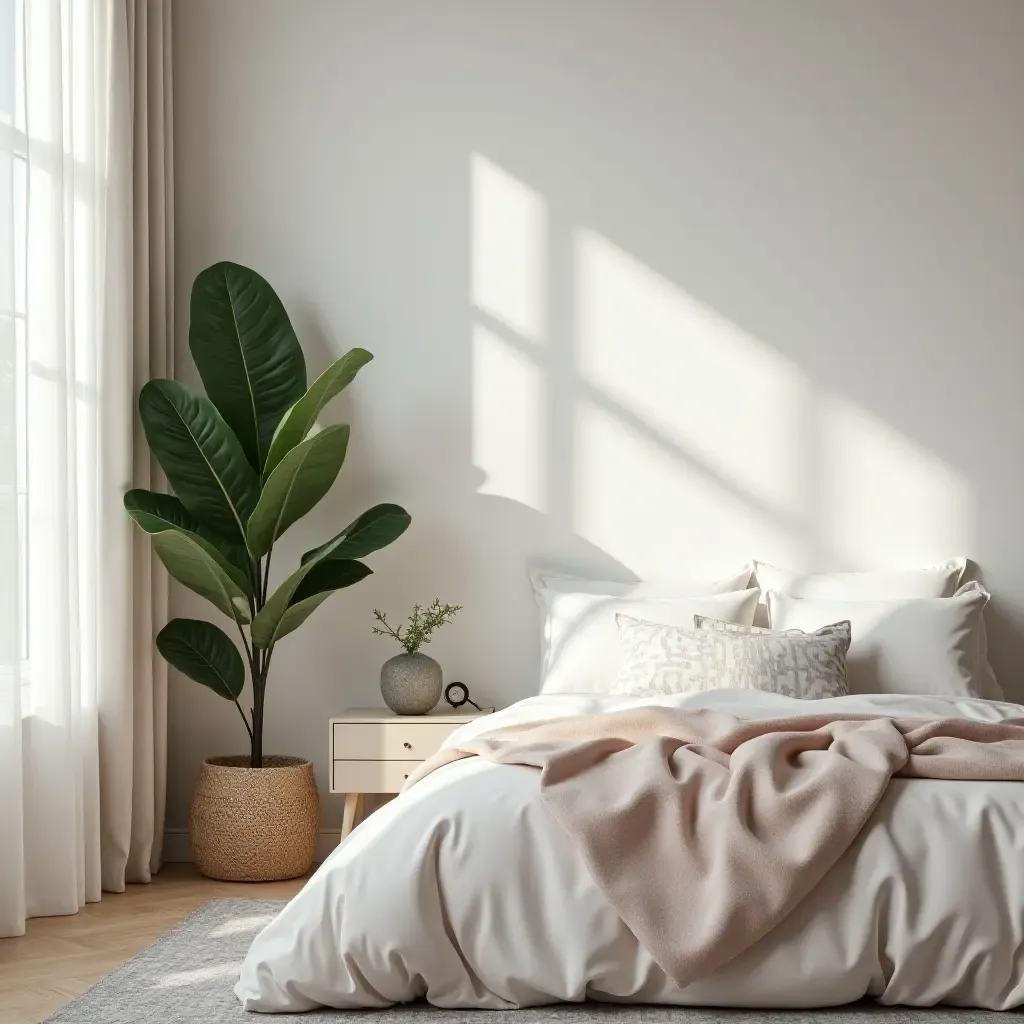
[{"x": 373, "y": 750}]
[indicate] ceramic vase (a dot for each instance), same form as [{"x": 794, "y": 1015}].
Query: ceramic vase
[{"x": 410, "y": 683}]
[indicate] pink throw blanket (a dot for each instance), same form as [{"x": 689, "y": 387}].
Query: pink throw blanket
[{"x": 704, "y": 831}]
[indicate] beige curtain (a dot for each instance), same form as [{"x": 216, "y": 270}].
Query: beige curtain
[{"x": 133, "y": 719}]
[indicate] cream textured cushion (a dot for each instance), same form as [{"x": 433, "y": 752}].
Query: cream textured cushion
[
  {"x": 916, "y": 646},
  {"x": 658, "y": 659},
  {"x": 581, "y": 649}
]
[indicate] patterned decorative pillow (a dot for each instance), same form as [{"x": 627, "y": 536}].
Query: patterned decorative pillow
[
  {"x": 703, "y": 622},
  {"x": 658, "y": 659}
]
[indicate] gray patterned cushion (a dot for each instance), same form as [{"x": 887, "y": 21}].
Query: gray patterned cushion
[
  {"x": 659, "y": 659},
  {"x": 703, "y": 622}
]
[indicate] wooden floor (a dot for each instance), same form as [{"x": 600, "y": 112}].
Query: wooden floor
[{"x": 60, "y": 957}]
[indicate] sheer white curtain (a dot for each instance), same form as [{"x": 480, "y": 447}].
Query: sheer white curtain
[{"x": 67, "y": 358}]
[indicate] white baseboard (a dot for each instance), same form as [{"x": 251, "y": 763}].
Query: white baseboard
[{"x": 176, "y": 848}]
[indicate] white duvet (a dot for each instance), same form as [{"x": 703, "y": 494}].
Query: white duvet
[{"x": 466, "y": 892}]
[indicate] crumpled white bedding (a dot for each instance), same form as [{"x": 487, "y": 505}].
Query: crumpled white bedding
[{"x": 466, "y": 892}]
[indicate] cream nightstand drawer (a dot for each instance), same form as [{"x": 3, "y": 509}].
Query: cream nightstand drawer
[
  {"x": 371, "y": 776},
  {"x": 373, "y": 750},
  {"x": 396, "y": 741}
]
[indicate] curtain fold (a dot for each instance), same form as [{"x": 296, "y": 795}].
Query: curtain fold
[
  {"x": 133, "y": 755},
  {"x": 84, "y": 318}
]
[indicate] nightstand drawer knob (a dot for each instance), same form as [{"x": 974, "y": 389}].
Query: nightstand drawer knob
[
  {"x": 408, "y": 746},
  {"x": 406, "y": 775}
]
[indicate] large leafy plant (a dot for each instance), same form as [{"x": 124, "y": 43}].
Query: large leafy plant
[{"x": 244, "y": 464}]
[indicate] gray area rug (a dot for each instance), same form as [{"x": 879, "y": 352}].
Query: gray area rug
[{"x": 186, "y": 977}]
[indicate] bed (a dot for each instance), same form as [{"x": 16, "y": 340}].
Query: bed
[{"x": 466, "y": 892}]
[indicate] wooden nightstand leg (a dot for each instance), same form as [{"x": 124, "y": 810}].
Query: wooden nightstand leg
[{"x": 353, "y": 808}]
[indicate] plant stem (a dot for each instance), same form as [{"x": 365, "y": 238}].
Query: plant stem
[
  {"x": 259, "y": 664},
  {"x": 248, "y": 652},
  {"x": 245, "y": 721},
  {"x": 252, "y": 677},
  {"x": 256, "y": 760},
  {"x": 266, "y": 579},
  {"x": 387, "y": 630},
  {"x": 253, "y": 655}
]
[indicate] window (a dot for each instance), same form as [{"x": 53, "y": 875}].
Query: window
[{"x": 14, "y": 439}]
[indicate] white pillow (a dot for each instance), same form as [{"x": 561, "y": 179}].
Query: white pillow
[
  {"x": 581, "y": 651},
  {"x": 548, "y": 583},
  {"x": 941, "y": 580},
  {"x": 937, "y": 581},
  {"x": 563, "y": 583},
  {"x": 916, "y": 646}
]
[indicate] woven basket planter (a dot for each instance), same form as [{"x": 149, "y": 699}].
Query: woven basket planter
[{"x": 254, "y": 824}]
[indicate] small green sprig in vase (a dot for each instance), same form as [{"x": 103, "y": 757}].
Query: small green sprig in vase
[{"x": 411, "y": 683}]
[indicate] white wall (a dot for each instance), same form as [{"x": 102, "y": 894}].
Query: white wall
[{"x": 653, "y": 287}]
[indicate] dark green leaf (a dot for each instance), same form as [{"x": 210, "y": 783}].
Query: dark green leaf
[
  {"x": 303, "y": 414},
  {"x": 204, "y": 653},
  {"x": 376, "y": 528},
  {"x": 201, "y": 457},
  {"x": 156, "y": 512},
  {"x": 298, "y": 482},
  {"x": 202, "y": 568},
  {"x": 328, "y": 576},
  {"x": 246, "y": 352},
  {"x": 284, "y": 611}
]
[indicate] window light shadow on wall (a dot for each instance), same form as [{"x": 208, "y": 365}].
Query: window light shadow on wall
[
  {"x": 508, "y": 420},
  {"x": 883, "y": 499},
  {"x": 509, "y": 248},
  {"x": 682, "y": 411},
  {"x": 694, "y": 443}
]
